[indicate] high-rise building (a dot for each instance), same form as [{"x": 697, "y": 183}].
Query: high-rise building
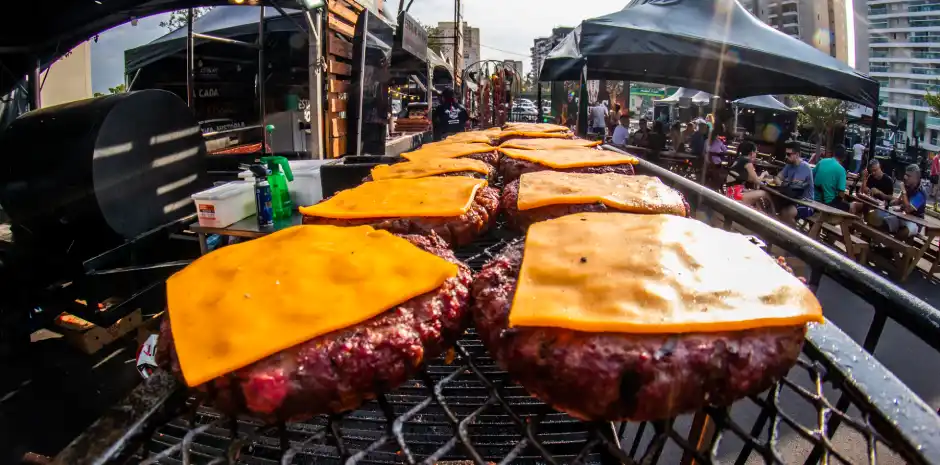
[
  {"x": 468, "y": 44},
  {"x": 543, "y": 45},
  {"x": 820, "y": 23},
  {"x": 905, "y": 60}
]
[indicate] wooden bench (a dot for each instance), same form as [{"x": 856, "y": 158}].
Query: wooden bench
[
  {"x": 833, "y": 233},
  {"x": 908, "y": 252}
]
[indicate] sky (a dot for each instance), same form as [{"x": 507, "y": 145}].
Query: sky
[{"x": 507, "y": 29}]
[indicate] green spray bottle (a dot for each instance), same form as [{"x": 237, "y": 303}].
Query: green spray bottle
[{"x": 278, "y": 177}]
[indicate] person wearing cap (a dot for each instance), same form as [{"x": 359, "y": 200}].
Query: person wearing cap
[
  {"x": 913, "y": 201},
  {"x": 450, "y": 117}
]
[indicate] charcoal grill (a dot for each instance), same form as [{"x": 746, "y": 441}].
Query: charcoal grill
[{"x": 468, "y": 411}]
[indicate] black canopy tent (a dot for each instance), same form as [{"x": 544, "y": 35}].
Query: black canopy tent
[{"x": 704, "y": 44}]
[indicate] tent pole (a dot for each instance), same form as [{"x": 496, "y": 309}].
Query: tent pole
[
  {"x": 35, "y": 86},
  {"x": 872, "y": 138},
  {"x": 315, "y": 84},
  {"x": 261, "y": 73},
  {"x": 190, "y": 54},
  {"x": 538, "y": 98},
  {"x": 583, "y": 105}
]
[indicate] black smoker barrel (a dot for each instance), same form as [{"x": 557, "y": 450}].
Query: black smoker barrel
[{"x": 80, "y": 178}]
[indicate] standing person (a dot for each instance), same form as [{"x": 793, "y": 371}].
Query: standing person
[
  {"x": 858, "y": 153},
  {"x": 698, "y": 139},
  {"x": 450, "y": 117},
  {"x": 875, "y": 184},
  {"x": 613, "y": 119},
  {"x": 598, "y": 118},
  {"x": 716, "y": 149},
  {"x": 829, "y": 178},
  {"x": 935, "y": 179},
  {"x": 913, "y": 201},
  {"x": 690, "y": 130},
  {"x": 622, "y": 131}
]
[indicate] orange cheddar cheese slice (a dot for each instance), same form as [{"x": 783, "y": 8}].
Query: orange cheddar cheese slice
[
  {"x": 635, "y": 194},
  {"x": 627, "y": 273},
  {"x": 570, "y": 157},
  {"x": 536, "y": 127},
  {"x": 438, "y": 150},
  {"x": 396, "y": 198},
  {"x": 514, "y": 133},
  {"x": 471, "y": 137},
  {"x": 425, "y": 167},
  {"x": 245, "y": 302},
  {"x": 548, "y": 144}
]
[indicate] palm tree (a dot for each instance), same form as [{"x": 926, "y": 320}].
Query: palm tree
[{"x": 822, "y": 115}]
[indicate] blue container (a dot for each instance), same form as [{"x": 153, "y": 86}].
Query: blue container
[{"x": 263, "y": 204}]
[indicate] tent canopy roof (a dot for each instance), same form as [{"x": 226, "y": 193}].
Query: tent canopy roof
[
  {"x": 767, "y": 102},
  {"x": 225, "y": 21},
  {"x": 679, "y": 94},
  {"x": 693, "y": 43}
]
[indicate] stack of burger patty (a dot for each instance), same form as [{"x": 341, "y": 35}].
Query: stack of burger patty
[{"x": 615, "y": 305}]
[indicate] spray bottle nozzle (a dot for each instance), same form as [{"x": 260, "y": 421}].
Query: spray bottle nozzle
[{"x": 258, "y": 170}]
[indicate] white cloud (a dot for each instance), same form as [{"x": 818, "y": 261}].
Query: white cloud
[
  {"x": 107, "y": 55},
  {"x": 511, "y": 26}
]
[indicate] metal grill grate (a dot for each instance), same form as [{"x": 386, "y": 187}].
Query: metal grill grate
[{"x": 469, "y": 411}]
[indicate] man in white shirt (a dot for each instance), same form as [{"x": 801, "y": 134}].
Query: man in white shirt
[
  {"x": 622, "y": 131},
  {"x": 859, "y": 150},
  {"x": 598, "y": 118}
]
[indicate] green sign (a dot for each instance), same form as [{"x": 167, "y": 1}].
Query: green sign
[{"x": 647, "y": 91}]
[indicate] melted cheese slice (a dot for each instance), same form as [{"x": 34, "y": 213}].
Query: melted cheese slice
[
  {"x": 571, "y": 157},
  {"x": 548, "y": 144},
  {"x": 438, "y": 150},
  {"x": 514, "y": 133},
  {"x": 473, "y": 137},
  {"x": 536, "y": 127},
  {"x": 635, "y": 194},
  {"x": 626, "y": 273},
  {"x": 429, "y": 167},
  {"x": 395, "y": 198},
  {"x": 245, "y": 302}
]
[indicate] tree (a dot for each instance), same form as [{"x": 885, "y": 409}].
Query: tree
[
  {"x": 933, "y": 101},
  {"x": 822, "y": 115},
  {"x": 118, "y": 89},
  {"x": 177, "y": 18},
  {"x": 434, "y": 40}
]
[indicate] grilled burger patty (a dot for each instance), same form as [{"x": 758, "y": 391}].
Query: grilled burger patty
[
  {"x": 490, "y": 158},
  {"x": 456, "y": 231},
  {"x": 511, "y": 168},
  {"x": 341, "y": 370},
  {"x": 522, "y": 219},
  {"x": 612, "y": 376}
]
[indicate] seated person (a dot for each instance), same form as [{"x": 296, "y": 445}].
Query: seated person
[
  {"x": 794, "y": 180},
  {"x": 913, "y": 201},
  {"x": 622, "y": 131},
  {"x": 875, "y": 184},
  {"x": 829, "y": 176},
  {"x": 698, "y": 139},
  {"x": 742, "y": 180},
  {"x": 640, "y": 138},
  {"x": 716, "y": 149},
  {"x": 677, "y": 136},
  {"x": 656, "y": 140}
]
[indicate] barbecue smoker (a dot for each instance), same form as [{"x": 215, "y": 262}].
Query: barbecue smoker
[
  {"x": 464, "y": 409},
  {"x": 94, "y": 190}
]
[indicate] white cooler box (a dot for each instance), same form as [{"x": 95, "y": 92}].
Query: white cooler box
[
  {"x": 305, "y": 189},
  {"x": 226, "y": 204}
]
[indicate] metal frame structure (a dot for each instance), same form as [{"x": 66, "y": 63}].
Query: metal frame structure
[
  {"x": 314, "y": 27},
  {"x": 156, "y": 424}
]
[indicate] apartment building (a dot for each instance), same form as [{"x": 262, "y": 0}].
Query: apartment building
[
  {"x": 467, "y": 43},
  {"x": 904, "y": 58},
  {"x": 820, "y": 23},
  {"x": 543, "y": 45}
]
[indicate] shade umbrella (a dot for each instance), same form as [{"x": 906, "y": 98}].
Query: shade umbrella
[{"x": 705, "y": 44}]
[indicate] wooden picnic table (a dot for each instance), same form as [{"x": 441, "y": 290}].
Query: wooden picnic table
[
  {"x": 826, "y": 215},
  {"x": 930, "y": 225}
]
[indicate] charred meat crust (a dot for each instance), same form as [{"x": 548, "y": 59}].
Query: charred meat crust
[
  {"x": 457, "y": 231},
  {"x": 339, "y": 371},
  {"x": 511, "y": 168},
  {"x": 520, "y": 220},
  {"x": 597, "y": 376},
  {"x": 490, "y": 158}
]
